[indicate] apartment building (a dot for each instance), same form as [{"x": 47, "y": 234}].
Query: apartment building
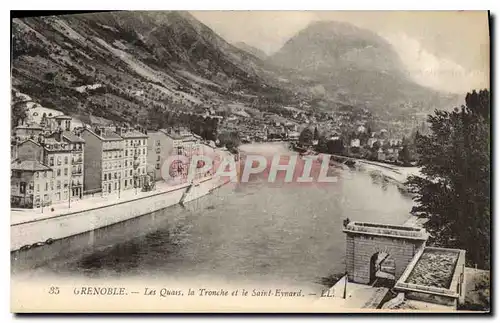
[
  {"x": 54, "y": 154},
  {"x": 135, "y": 158},
  {"x": 172, "y": 142},
  {"x": 160, "y": 147},
  {"x": 77, "y": 146},
  {"x": 57, "y": 155},
  {"x": 103, "y": 160}
]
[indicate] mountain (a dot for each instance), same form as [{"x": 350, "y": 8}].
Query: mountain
[
  {"x": 357, "y": 65},
  {"x": 251, "y": 50},
  {"x": 123, "y": 65}
]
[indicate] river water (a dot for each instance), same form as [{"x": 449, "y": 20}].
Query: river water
[{"x": 257, "y": 231}]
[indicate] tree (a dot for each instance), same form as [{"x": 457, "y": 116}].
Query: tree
[
  {"x": 316, "y": 133},
  {"x": 453, "y": 192},
  {"x": 405, "y": 155},
  {"x": 335, "y": 146},
  {"x": 18, "y": 112},
  {"x": 306, "y": 136}
]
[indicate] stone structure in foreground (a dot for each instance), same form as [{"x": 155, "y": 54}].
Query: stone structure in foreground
[{"x": 398, "y": 256}]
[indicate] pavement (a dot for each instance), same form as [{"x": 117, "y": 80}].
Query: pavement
[{"x": 88, "y": 202}]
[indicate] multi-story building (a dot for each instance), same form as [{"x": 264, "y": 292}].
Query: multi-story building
[
  {"x": 29, "y": 187},
  {"x": 135, "y": 158},
  {"x": 57, "y": 155},
  {"x": 54, "y": 154},
  {"x": 103, "y": 161},
  {"x": 77, "y": 146},
  {"x": 160, "y": 147},
  {"x": 172, "y": 142}
]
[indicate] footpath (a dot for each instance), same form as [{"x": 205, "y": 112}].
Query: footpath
[{"x": 89, "y": 202}]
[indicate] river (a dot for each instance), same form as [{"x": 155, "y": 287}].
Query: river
[{"x": 255, "y": 231}]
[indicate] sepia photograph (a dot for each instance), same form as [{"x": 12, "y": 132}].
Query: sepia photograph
[{"x": 250, "y": 162}]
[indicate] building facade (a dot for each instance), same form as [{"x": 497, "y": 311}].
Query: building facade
[
  {"x": 30, "y": 184},
  {"x": 57, "y": 155},
  {"x": 103, "y": 161},
  {"x": 160, "y": 147},
  {"x": 135, "y": 159},
  {"x": 77, "y": 146}
]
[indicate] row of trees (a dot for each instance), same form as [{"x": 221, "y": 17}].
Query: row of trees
[{"x": 205, "y": 127}]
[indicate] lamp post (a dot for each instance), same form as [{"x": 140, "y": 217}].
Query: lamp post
[{"x": 69, "y": 190}]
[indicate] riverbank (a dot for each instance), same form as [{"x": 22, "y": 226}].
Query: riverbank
[{"x": 33, "y": 230}]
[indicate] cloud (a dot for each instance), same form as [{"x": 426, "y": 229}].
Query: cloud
[{"x": 436, "y": 72}]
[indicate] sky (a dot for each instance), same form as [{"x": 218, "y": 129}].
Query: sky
[{"x": 446, "y": 50}]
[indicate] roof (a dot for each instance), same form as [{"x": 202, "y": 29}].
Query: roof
[
  {"x": 72, "y": 137},
  {"x": 177, "y": 136},
  {"x": 25, "y": 141},
  {"x": 134, "y": 134},
  {"x": 110, "y": 135},
  {"x": 28, "y": 165}
]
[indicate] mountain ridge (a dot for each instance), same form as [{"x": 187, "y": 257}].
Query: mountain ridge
[
  {"x": 352, "y": 61},
  {"x": 169, "y": 57}
]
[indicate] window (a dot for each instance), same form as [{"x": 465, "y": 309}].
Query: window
[
  {"x": 144, "y": 141},
  {"x": 116, "y": 186},
  {"x": 37, "y": 175},
  {"x": 66, "y": 160},
  {"x": 51, "y": 161},
  {"x": 59, "y": 160},
  {"x": 144, "y": 151},
  {"x": 126, "y": 162},
  {"x": 125, "y": 183},
  {"x": 157, "y": 158},
  {"x": 157, "y": 166},
  {"x": 44, "y": 174},
  {"x": 51, "y": 185},
  {"x": 158, "y": 142},
  {"x": 116, "y": 176},
  {"x": 126, "y": 152},
  {"x": 46, "y": 186},
  {"x": 158, "y": 150},
  {"x": 130, "y": 172},
  {"x": 37, "y": 188},
  {"x": 65, "y": 171},
  {"x": 58, "y": 172},
  {"x": 105, "y": 177},
  {"x": 58, "y": 186}
]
